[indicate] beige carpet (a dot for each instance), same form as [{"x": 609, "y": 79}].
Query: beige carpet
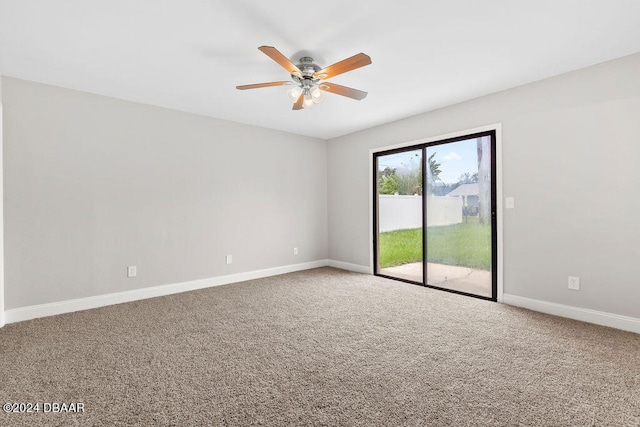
[{"x": 323, "y": 347}]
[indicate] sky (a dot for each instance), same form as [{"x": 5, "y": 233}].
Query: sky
[{"x": 455, "y": 158}]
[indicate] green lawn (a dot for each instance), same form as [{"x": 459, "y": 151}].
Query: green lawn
[{"x": 467, "y": 244}]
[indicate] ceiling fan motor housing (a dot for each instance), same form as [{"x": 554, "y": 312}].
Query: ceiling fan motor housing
[
  {"x": 308, "y": 78},
  {"x": 307, "y": 67}
]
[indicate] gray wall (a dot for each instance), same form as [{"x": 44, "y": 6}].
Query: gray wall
[
  {"x": 94, "y": 184},
  {"x": 571, "y": 159},
  {"x": 1, "y": 221}
]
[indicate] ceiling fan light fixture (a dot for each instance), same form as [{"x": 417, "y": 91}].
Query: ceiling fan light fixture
[
  {"x": 317, "y": 95},
  {"x": 308, "y": 100},
  {"x": 294, "y": 93}
]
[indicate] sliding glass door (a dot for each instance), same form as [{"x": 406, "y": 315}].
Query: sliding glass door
[
  {"x": 400, "y": 214},
  {"x": 434, "y": 210}
]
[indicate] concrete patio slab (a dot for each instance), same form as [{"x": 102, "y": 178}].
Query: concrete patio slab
[{"x": 463, "y": 279}]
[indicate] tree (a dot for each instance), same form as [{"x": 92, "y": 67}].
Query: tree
[
  {"x": 406, "y": 179},
  {"x": 409, "y": 183},
  {"x": 388, "y": 185},
  {"x": 386, "y": 172},
  {"x": 434, "y": 168},
  {"x": 468, "y": 178}
]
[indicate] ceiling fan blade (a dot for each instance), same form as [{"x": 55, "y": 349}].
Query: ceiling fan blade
[
  {"x": 258, "y": 85},
  {"x": 284, "y": 62},
  {"x": 356, "y": 61},
  {"x": 343, "y": 90},
  {"x": 298, "y": 104}
]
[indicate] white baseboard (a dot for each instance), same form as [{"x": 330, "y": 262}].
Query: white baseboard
[
  {"x": 69, "y": 306},
  {"x": 356, "y": 268},
  {"x": 625, "y": 323},
  {"x": 617, "y": 321}
]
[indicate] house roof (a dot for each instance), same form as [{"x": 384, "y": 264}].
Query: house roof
[{"x": 465, "y": 190}]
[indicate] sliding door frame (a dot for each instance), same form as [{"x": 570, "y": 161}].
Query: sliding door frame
[
  {"x": 495, "y": 130},
  {"x": 374, "y": 187}
]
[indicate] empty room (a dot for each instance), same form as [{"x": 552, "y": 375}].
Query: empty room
[{"x": 345, "y": 214}]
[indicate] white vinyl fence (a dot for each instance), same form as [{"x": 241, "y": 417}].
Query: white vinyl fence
[{"x": 402, "y": 212}]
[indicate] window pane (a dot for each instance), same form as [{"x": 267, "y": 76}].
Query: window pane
[
  {"x": 458, "y": 206},
  {"x": 399, "y": 193}
]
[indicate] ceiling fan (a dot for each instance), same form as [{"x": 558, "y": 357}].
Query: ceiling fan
[{"x": 309, "y": 78}]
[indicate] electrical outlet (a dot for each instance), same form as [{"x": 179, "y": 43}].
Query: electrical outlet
[
  {"x": 295, "y": 251},
  {"x": 132, "y": 271},
  {"x": 574, "y": 283},
  {"x": 229, "y": 259}
]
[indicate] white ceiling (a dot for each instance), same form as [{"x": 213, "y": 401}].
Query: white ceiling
[{"x": 190, "y": 54}]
